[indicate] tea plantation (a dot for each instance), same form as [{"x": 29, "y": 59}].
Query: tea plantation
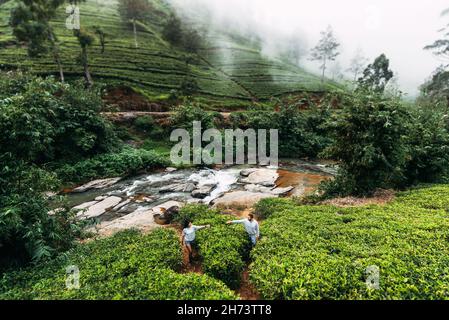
[
  {"x": 306, "y": 252},
  {"x": 126, "y": 266},
  {"x": 323, "y": 252},
  {"x": 156, "y": 67}
]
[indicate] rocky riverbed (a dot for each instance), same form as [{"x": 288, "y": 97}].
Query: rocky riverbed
[{"x": 148, "y": 201}]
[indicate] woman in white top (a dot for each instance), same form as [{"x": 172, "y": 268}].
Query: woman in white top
[{"x": 189, "y": 235}]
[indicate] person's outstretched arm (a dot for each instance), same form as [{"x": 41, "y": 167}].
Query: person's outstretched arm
[
  {"x": 236, "y": 221},
  {"x": 201, "y": 227}
]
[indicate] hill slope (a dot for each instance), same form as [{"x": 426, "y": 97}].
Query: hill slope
[{"x": 229, "y": 76}]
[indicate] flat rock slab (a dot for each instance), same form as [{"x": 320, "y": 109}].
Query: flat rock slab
[
  {"x": 96, "y": 184},
  {"x": 141, "y": 220},
  {"x": 85, "y": 205},
  {"x": 282, "y": 191},
  {"x": 264, "y": 177},
  {"x": 181, "y": 187},
  {"x": 99, "y": 208},
  {"x": 241, "y": 199}
]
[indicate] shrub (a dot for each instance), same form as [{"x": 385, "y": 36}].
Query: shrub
[
  {"x": 370, "y": 144},
  {"x": 322, "y": 252},
  {"x": 265, "y": 208},
  {"x": 126, "y": 266},
  {"x": 27, "y": 231},
  {"x": 129, "y": 161},
  {"x": 43, "y": 120},
  {"x": 223, "y": 248},
  {"x": 145, "y": 123},
  {"x": 429, "y": 146}
]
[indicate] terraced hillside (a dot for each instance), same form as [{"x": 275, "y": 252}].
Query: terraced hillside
[{"x": 229, "y": 76}]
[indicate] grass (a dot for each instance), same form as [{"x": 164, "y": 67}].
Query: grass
[{"x": 155, "y": 67}]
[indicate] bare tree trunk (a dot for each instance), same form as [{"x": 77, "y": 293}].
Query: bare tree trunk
[
  {"x": 56, "y": 56},
  {"x": 87, "y": 74},
  {"x": 324, "y": 70},
  {"x": 135, "y": 33}
]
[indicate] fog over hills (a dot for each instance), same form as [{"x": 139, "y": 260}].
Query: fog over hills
[{"x": 400, "y": 29}]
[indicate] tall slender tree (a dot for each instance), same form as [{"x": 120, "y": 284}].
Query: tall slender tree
[
  {"x": 85, "y": 40},
  {"x": 134, "y": 11},
  {"x": 326, "y": 50},
  {"x": 357, "y": 64},
  {"x": 30, "y": 21}
]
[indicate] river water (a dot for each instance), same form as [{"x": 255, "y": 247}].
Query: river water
[{"x": 144, "y": 191}]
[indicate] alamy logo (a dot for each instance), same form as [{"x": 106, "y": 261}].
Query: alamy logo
[
  {"x": 236, "y": 142},
  {"x": 72, "y": 281},
  {"x": 73, "y": 20}
]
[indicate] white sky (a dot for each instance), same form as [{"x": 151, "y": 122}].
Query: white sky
[{"x": 398, "y": 28}]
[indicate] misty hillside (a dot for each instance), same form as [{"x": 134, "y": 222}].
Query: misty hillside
[{"x": 229, "y": 70}]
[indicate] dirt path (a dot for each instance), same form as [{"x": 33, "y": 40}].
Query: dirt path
[{"x": 247, "y": 291}]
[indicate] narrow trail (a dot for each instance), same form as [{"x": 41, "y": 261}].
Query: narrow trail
[{"x": 246, "y": 290}]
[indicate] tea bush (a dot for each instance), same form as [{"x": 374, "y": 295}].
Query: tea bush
[
  {"x": 323, "y": 252},
  {"x": 223, "y": 248},
  {"x": 126, "y": 266}
]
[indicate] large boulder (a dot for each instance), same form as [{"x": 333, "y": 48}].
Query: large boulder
[
  {"x": 99, "y": 208},
  {"x": 247, "y": 172},
  {"x": 264, "y": 177},
  {"x": 203, "y": 191},
  {"x": 96, "y": 184},
  {"x": 166, "y": 212},
  {"x": 241, "y": 199}
]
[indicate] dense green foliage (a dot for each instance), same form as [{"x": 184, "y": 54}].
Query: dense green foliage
[
  {"x": 27, "y": 231},
  {"x": 43, "y": 120},
  {"x": 126, "y": 266},
  {"x": 223, "y": 248},
  {"x": 322, "y": 252},
  {"x": 370, "y": 144},
  {"x": 380, "y": 143},
  {"x": 302, "y": 133},
  {"x": 126, "y": 162}
]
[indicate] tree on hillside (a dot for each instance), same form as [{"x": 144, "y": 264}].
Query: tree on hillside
[
  {"x": 192, "y": 41},
  {"x": 101, "y": 37},
  {"x": 370, "y": 144},
  {"x": 326, "y": 50},
  {"x": 85, "y": 40},
  {"x": 377, "y": 75},
  {"x": 296, "y": 49},
  {"x": 30, "y": 22},
  {"x": 440, "y": 47},
  {"x": 173, "y": 30},
  {"x": 133, "y": 11},
  {"x": 357, "y": 64},
  {"x": 437, "y": 88}
]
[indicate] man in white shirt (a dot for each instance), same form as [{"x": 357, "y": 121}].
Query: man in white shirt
[{"x": 251, "y": 227}]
